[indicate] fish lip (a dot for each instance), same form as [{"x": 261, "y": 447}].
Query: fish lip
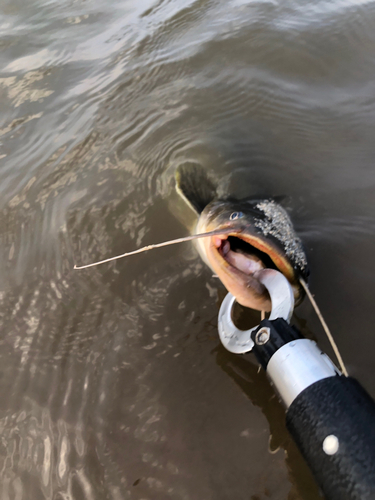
[
  {"x": 219, "y": 252},
  {"x": 248, "y": 291},
  {"x": 286, "y": 269},
  {"x": 218, "y": 245}
]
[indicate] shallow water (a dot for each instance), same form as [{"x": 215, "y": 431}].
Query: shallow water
[{"x": 113, "y": 381}]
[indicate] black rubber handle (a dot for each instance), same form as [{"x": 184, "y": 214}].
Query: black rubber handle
[{"x": 340, "y": 407}]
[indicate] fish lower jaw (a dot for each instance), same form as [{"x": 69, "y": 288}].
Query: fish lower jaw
[
  {"x": 235, "y": 270},
  {"x": 247, "y": 290},
  {"x": 256, "y": 304}
]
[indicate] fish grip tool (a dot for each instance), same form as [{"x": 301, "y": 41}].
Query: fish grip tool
[{"x": 330, "y": 416}]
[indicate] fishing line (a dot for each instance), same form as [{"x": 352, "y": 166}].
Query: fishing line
[
  {"x": 325, "y": 327},
  {"x": 158, "y": 245}
]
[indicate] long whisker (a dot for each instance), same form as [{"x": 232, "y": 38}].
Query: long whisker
[
  {"x": 325, "y": 327},
  {"x": 158, "y": 245}
]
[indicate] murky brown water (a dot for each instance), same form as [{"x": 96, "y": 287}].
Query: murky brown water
[{"x": 113, "y": 382}]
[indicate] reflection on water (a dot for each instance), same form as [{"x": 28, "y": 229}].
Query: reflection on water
[{"x": 113, "y": 383}]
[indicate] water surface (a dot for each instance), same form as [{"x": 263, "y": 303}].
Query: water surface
[{"x": 113, "y": 381}]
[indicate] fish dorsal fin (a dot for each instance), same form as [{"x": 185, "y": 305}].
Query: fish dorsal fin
[{"x": 193, "y": 184}]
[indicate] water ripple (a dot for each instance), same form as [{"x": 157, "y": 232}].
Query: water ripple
[{"x": 109, "y": 385}]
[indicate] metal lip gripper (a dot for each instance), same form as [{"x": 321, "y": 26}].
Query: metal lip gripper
[{"x": 282, "y": 299}]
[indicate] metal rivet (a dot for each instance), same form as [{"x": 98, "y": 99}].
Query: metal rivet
[
  {"x": 262, "y": 336},
  {"x": 330, "y": 445}
]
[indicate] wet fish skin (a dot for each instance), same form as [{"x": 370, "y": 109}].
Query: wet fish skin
[{"x": 263, "y": 224}]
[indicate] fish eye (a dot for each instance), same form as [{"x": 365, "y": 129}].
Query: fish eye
[{"x": 236, "y": 215}]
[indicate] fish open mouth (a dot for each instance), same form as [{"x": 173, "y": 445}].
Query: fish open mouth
[
  {"x": 246, "y": 254},
  {"x": 235, "y": 256}
]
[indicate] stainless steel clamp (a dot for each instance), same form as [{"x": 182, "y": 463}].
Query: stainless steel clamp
[{"x": 282, "y": 299}]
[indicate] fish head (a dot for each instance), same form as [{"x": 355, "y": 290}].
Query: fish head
[{"x": 256, "y": 235}]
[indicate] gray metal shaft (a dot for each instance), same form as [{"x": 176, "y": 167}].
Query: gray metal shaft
[{"x": 296, "y": 366}]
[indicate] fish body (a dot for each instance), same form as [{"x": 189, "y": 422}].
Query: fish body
[{"x": 257, "y": 234}]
